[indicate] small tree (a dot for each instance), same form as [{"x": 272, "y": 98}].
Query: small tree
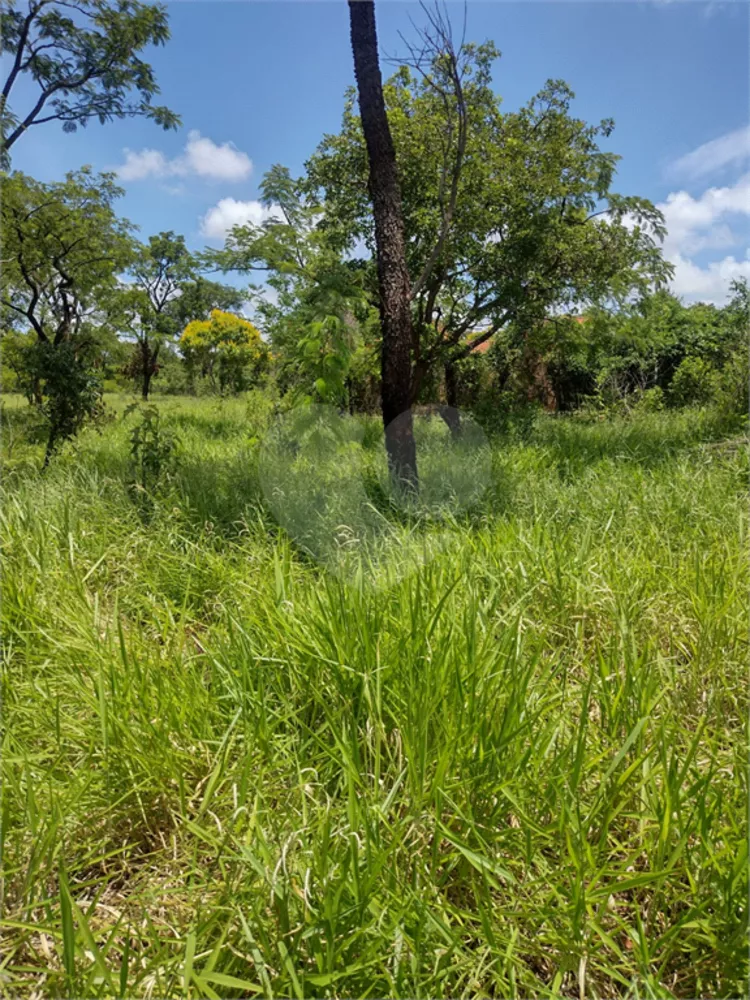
[
  {"x": 222, "y": 349},
  {"x": 62, "y": 248},
  {"x": 161, "y": 270},
  {"x": 319, "y": 313},
  {"x": 83, "y": 59}
]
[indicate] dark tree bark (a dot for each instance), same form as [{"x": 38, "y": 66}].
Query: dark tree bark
[
  {"x": 393, "y": 275},
  {"x": 149, "y": 366}
]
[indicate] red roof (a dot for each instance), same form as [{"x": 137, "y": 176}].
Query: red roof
[{"x": 486, "y": 344}]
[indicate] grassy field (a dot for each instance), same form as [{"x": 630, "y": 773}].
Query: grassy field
[{"x": 518, "y": 771}]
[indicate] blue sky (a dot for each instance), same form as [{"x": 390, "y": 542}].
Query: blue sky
[{"x": 258, "y": 83}]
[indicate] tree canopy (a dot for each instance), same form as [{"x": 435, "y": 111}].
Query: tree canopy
[
  {"x": 63, "y": 245},
  {"x": 508, "y": 216},
  {"x": 222, "y": 347},
  {"x": 159, "y": 271},
  {"x": 83, "y": 58},
  {"x": 319, "y": 308}
]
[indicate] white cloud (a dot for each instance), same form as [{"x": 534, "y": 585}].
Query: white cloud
[
  {"x": 229, "y": 212},
  {"x": 225, "y": 162},
  {"x": 707, "y": 284},
  {"x": 201, "y": 157},
  {"x": 696, "y": 224},
  {"x": 144, "y": 164},
  {"x": 732, "y": 149}
]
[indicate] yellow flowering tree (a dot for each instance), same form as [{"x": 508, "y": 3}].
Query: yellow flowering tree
[{"x": 226, "y": 349}]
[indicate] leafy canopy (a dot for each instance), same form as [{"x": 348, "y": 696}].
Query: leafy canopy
[
  {"x": 160, "y": 270},
  {"x": 319, "y": 307},
  {"x": 83, "y": 58},
  {"x": 63, "y": 245},
  {"x": 223, "y": 346},
  {"x": 508, "y": 216}
]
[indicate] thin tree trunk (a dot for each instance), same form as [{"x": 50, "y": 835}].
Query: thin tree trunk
[
  {"x": 450, "y": 413},
  {"x": 148, "y": 364},
  {"x": 393, "y": 275},
  {"x": 51, "y": 442}
]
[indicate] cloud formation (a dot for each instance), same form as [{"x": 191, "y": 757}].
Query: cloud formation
[
  {"x": 696, "y": 224},
  {"x": 202, "y": 157},
  {"x": 707, "y": 284},
  {"x": 229, "y": 212},
  {"x": 730, "y": 150}
]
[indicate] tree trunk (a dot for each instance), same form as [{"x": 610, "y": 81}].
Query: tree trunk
[
  {"x": 145, "y": 369},
  {"x": 393, "y": 275},
  {"x": 49, "y": 450},
  {"x": 450, "y": 413}
]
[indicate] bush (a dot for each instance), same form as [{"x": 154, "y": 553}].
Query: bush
[
  {"x": 650, "y": 400},
  {"x": 732, "y": 386},
  {"x": 153, "y": 451},
  {"x": 693, "y": 382}
]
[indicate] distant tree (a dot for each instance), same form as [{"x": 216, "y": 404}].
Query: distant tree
[
  {"x": 14, "y": 349},
  {"x": 319, "y": 315},
  {"x": 393, "y": 273},
  {"x": 83, "y": 59},
  {"x": 62, "y": 246},
  {"x": 161, "y": 270},
  {"x": 222, "y": 349},
  {"x": 738, "y": 307},
  {"x": 198, "y": 299}
]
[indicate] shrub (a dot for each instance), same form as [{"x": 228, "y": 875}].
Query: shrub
[
  {"x": 650, "y": 400},
  {"x": 693, "y": 382},
  {"x": 152, "y": 450},
  {"x": 732, "y": 385}
]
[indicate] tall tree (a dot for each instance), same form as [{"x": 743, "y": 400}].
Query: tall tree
[
  {"x": 198, "y": 299},
  {"x": 62, "y": 247},
  {"x": 508, "y": 218},
  {"x": 393, "y": 274},
  {"x": 83, "y": 58}
]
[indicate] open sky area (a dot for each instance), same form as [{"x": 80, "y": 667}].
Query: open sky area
[{"x": 258, "y": 83}]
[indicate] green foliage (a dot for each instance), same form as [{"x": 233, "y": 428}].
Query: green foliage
[
  {"x": 651, "y": 400},
  {"x": 199, "y": 297},
  {"x": 63, "y": 387},
  {"x": 63, "y": 245},
  {"x": 160, "y": 270},
  {"x": 644, "y": 355},
  {"x": 153, "y": 450},
  {"x": 13, "y": 347},
  {"x": 692, "y": 382},
  {"x": 521, "y": 232},
  {"x": 84, "y": 62},
  {"x": 320, "y": 314}
]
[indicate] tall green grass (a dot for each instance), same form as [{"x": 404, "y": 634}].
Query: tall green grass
[{"x": 519, "y": 771}]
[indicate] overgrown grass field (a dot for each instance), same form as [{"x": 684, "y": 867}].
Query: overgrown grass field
[{"x": 520, "y": 770}]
